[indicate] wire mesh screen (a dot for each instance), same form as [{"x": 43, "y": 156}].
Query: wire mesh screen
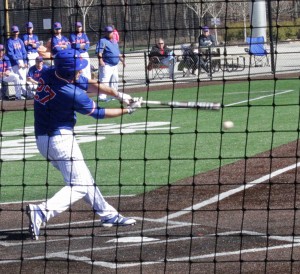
[{"x": 196, "y": 169}]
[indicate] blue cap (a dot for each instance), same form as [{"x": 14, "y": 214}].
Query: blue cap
[
  {"x": 67, "y": 62},
  {"x": 108, "y": 29},
  {"x": 205, "y": 29},
  {"x": 29, "y": 25},
  {"x": 39, "y": 59},
  {"x": 57, "y": 25},
  {"x": 14, "y": 29},
  {"x": 78, "y": 24}
]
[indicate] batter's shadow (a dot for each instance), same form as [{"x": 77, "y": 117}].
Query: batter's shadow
[{"x": 16, "y": 235}]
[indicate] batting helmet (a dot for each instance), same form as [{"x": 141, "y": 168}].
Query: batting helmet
[{"x": 67, "y": 62}]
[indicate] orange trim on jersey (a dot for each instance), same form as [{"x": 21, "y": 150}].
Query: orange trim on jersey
[
  {"x": 59, "y": 77},
  {"x": 93, "y": 109}
]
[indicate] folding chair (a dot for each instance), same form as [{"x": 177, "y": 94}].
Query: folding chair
[
  {"x": 158, "y": 69},
  {"x": 257, "y": 51}
]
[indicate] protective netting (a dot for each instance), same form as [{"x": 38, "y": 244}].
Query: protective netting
[{"x": 207, "y": 167}]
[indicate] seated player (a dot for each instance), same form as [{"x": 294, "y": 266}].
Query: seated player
[
  {"x": 7, "y": 76},
  {"x": 34, "y": 75}
]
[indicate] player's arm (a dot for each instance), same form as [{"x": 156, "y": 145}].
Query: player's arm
[
  {"x": 36, "y": 43},
  {"x": 86, "y": 106},
  {"x": 87, "y": 42},
  {"x": 24, "y": 53},
  {"x": 122, "y": 59},
  {"x": 96, "y": 87},
  {"x": 72, "y": 40},
  {"x": 8, "y": 66},
  {"x": 10, "y": 51},
  {"x": 100, "y": 58},
  {"x": 213, "y": 40},
  {"x": 31, "y": 80},
  {"x": 116, "y": 112},
  {"x": 99, "y": 51}
]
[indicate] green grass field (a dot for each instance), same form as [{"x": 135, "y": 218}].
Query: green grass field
[{"x": 265, "y": 114}]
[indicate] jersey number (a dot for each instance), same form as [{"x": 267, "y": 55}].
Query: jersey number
[{"x": 50, "y": 94}]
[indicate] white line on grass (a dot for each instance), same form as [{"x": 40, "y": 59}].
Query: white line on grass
[
  {"x": 259, "y": 98},
  {"x": 229, "y": 193},
  {"x": 240, "y": 102},
  {"x": 252, "y": 92}
]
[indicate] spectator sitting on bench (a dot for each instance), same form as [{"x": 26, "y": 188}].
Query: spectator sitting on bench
[{"x": 165, "y": 56}]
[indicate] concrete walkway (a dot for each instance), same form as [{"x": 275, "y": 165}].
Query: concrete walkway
[{"x": 287, "y": 60}]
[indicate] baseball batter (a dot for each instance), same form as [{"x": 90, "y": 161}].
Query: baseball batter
[
  {"x": 60, "y": 95},
  {"x": 109, "y": 55}
]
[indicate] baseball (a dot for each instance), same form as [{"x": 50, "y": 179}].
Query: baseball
[{"x": 228, "y": 124}]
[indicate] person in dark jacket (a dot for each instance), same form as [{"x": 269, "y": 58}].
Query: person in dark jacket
[
  {"x": 206, "y": 41},
  {"x": 165, "y": 55}
]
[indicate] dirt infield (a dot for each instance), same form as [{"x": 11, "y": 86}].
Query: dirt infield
[
  {"x": 240, "y": 218},
  {"x": 243, "y": 221}
]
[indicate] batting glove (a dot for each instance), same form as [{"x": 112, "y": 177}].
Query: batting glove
[
  {"x": 124, "y": 98},
  {"x": 131, "y": 110},
  {"x": 136, "y": 102}
]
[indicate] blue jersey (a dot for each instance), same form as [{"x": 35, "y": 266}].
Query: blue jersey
[
  {"x": 35, "y": 73},
  {"x": 79, "y": 38},
  {"x": 5, "y": 64},
  {"x": 16, "y": 51},
  {"x": 57, "y": 101},
  {"x": 30, "y": 39},
  {"x": 110, "y": 51},
  {"x": 57, "y": 42}
]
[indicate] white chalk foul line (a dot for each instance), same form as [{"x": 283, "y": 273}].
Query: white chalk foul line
[
  {"x": 259, "y": 98},
  {"x": 228, "y": 193}
]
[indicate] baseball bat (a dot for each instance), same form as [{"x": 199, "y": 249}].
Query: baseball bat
[{"x": 176, "y": 104}]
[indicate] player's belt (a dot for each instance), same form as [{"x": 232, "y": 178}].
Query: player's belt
[{"x": 57, "y": 132}]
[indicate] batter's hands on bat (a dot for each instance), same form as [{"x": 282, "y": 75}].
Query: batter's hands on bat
[
  {"x": 124, "y": 98},
  {"x": 131, "y": 110},
  {"x": 136, "y": 102}
]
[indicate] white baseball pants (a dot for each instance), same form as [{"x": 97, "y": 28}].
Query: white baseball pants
[
  {"x": 170, "y": 63},
  {"x": 86, "y": 72},
  {"x": 109, "y": 75},
  {"x": 31, "y": 56},
  {"x": 13, "y": 78},
  {"x": 22, "y": 73},
  {"x": 66, "y": 156}
]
